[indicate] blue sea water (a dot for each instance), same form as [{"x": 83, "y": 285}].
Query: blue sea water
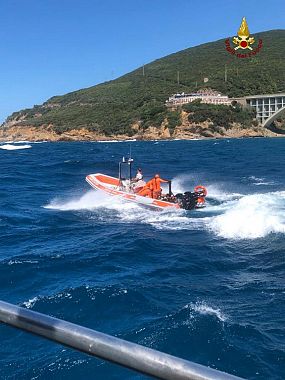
[{"x": 205, "y": 285}]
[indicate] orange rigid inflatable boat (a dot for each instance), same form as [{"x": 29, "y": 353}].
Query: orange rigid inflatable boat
[{"x": 124, "y": 187}]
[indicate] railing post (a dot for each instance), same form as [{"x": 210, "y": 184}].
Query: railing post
[{"x": 127, "y": 354}]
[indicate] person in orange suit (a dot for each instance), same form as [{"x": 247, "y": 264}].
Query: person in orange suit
[
  {"x": 152, "y": 188},
  {"x": 156, "y": 185},
  {"x": 147, "y": 190}
]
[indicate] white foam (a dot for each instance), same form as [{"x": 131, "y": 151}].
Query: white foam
[
  {"x": 62, "y": 295},
  {"x": 217, "y": 192},
  {"x": 173, "y": 220},
  {"x": 14, "y": 147},
  {"x": 187, "y": 182},
  {"x": 128, "y": 212},
  {"x": 89, "y": 201},
  {"x": 270, "y": 183},
  {"x": 236, "y": 216},
  {"x": 29, "y": 304},
  {"x": 183, "y": 182},
  {"x": 106, "y": 141},
  {"x": 204, "y": 309},
  {"x": 260, "y": 181},
  {"x": 22, "y": 142},
  {"x": 113, "y": 141},
  {"x": 29, "y": 142},
  {"x": 254, "y": 178},
  {"x": 251, "y": 217},
  {"x": 13, "y": 262}
]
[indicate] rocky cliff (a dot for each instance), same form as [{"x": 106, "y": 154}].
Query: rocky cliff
[{"x": 186, "y": 130}]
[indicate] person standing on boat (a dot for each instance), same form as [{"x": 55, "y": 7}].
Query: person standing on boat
[
  {"x": 152, "y": 188},
  {"x": 157, "y": 186}
]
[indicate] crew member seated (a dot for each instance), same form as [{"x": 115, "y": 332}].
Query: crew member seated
[
  {"x": 138, "y": 182},
  {"x": 138, "y": 186},
  {"x": 152, "y": 189},
  {"x": 139, "y": 175}
]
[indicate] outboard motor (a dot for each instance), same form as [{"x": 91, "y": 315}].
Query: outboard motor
[{"x": 190, "y": 200}]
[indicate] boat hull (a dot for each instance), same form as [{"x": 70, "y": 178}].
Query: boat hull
[{"x": 110, "y": 186}]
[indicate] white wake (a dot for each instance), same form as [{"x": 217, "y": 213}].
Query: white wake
[
  {"x": 126, "y": 212},
  {"x": 89, "y": 201},
  {"x": 228, "y": 215},
  {"x": 252, "y": 216}
]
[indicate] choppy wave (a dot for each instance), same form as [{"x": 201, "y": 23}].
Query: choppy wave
[
  {"x": 236, "y": 217},
  {"x": 89, "y": 201},
  {"x": 216, "y": 191},
  {"x": 199, "y": 307},
  {"x": 251, "y": 217},
  {"x": 54, "y": 298},
  {"x": 18, "y": 261},
  {"x": 128, "y": 212},
  {"x": 183, "y": 183},
  {"x": 152, "y": 277},
  {"x": 31, "y": 302},
  {"x": 258, "y": 181},
  {"x": 204, "y": 309}
]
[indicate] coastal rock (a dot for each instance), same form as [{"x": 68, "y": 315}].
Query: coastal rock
[{"x": 13, "y": 130}]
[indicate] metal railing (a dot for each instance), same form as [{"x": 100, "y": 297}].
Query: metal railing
[{"x": 127, "y": 354}]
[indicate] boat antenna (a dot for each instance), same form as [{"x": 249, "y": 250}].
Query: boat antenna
[{"x": 130, "y": 161}]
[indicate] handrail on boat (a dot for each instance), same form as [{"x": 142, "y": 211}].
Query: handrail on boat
[{"x": 131, "y": 355}]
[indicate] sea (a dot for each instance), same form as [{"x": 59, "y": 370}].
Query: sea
[{"x": 206, "y": 285}]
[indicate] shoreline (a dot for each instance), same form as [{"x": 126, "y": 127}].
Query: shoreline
[
  {"x": 35, "y": 141},
  {"x": 36, "y": 134}
]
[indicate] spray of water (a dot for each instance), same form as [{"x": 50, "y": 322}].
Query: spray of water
[
  {"x": 232, "y": 216},
  {"x": 251, "y": 217},
  {"x": 89, "y": 201}
]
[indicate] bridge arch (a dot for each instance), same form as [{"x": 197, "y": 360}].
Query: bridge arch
[{"x": 273, "y": 117}]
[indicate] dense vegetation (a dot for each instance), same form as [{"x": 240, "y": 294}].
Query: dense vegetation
[
  {"x": 113, "y": 106},
  {"x": 220, "y": 115}
]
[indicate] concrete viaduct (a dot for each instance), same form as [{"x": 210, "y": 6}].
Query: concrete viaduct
[{"x": 267, "y": 107}]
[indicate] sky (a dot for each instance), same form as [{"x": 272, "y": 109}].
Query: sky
[{"x": 51, "y": 47}]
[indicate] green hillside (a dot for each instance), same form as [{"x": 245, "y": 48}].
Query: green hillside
[{"x": 111, "y": 107}]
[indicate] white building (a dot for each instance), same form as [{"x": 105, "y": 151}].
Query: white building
[{"x": 210, "y": 98}]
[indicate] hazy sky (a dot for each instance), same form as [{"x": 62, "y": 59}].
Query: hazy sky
[{"x": 51, "y": 47}]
